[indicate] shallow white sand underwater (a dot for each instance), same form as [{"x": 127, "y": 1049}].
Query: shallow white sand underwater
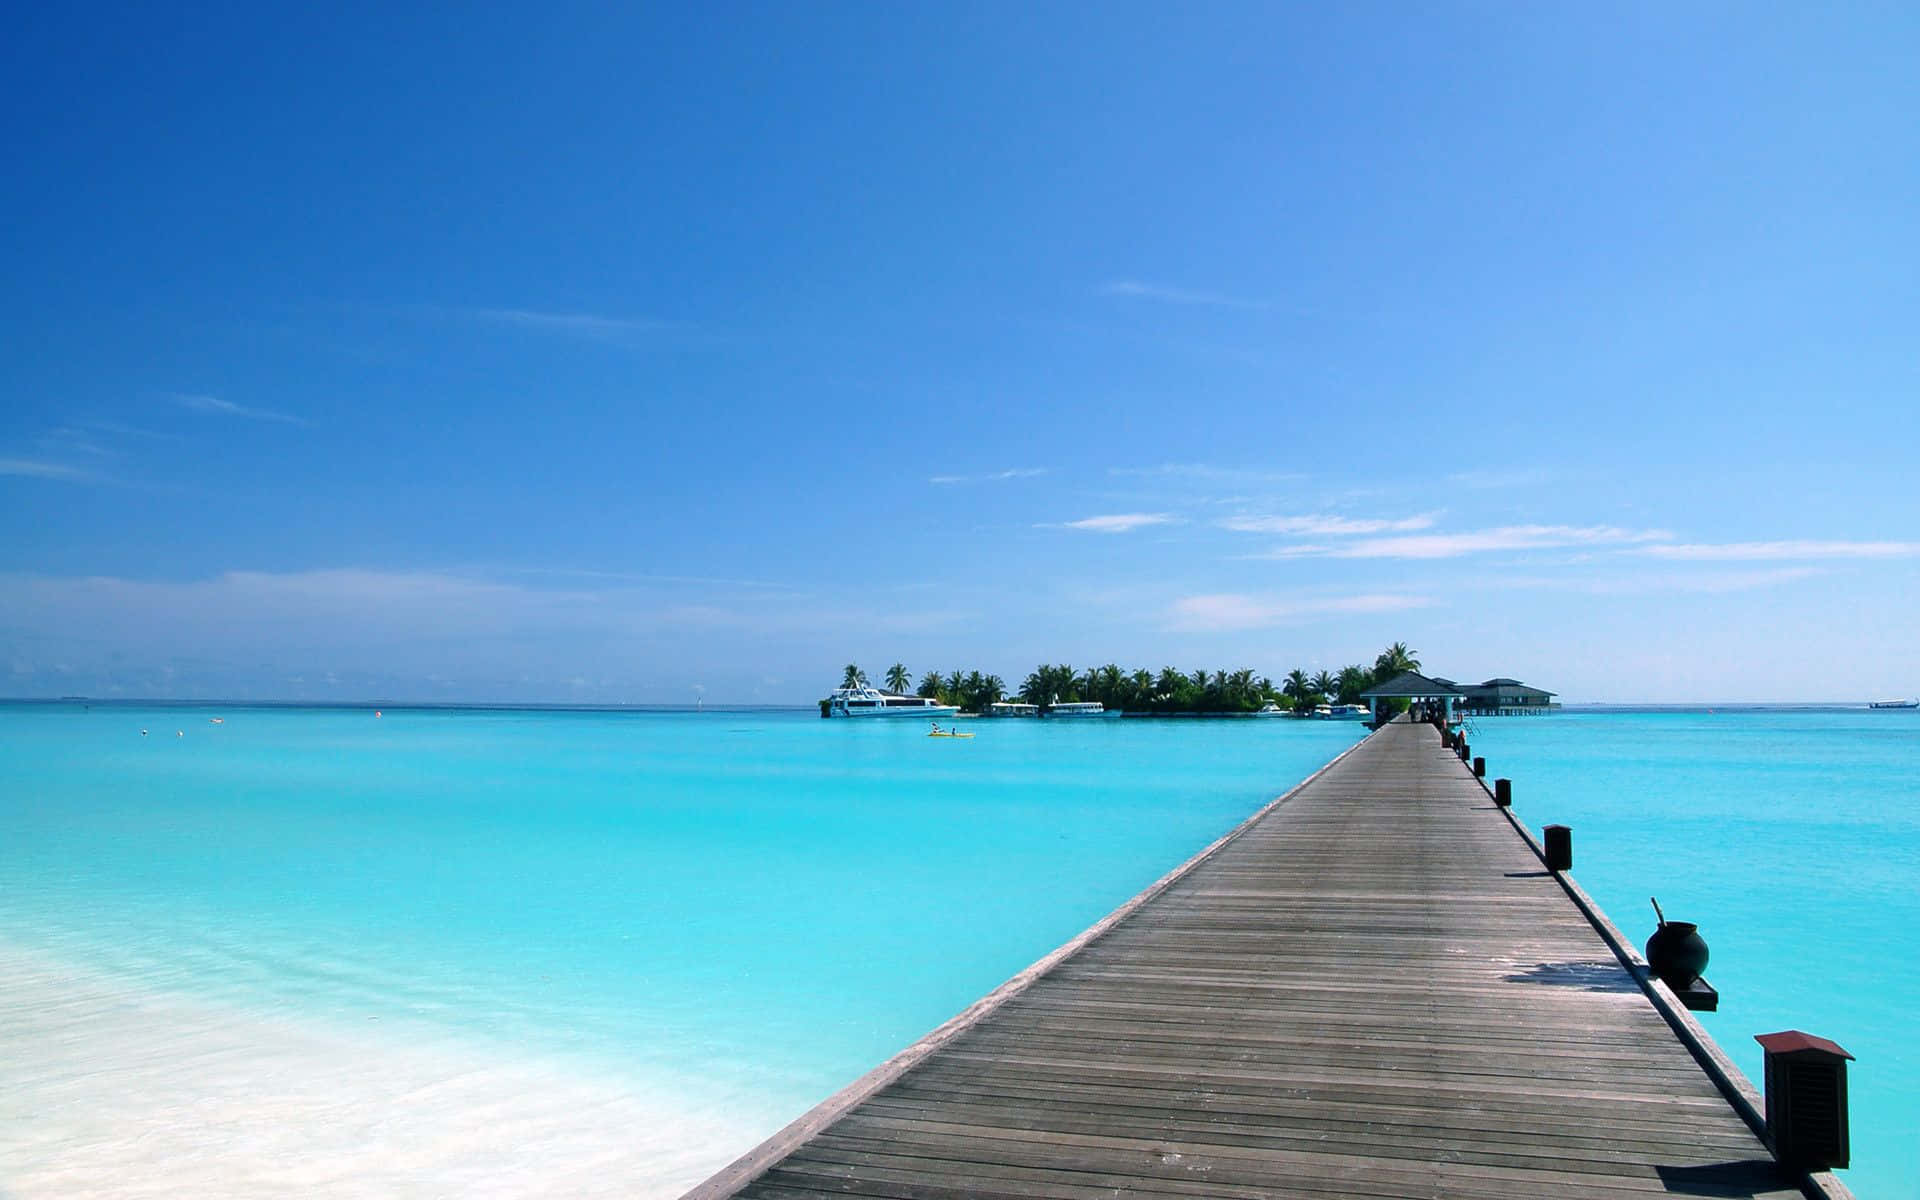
[{"x": 110, "y": 1091}]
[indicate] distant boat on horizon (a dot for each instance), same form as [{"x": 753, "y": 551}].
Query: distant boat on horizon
[
  {"x": 1080, "y": 708},
  {"x": 1895, "y": 704}
]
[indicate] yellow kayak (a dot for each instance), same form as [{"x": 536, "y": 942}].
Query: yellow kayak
[{"x": 947, "y": 733}]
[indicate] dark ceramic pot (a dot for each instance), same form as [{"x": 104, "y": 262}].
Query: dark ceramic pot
[{"x": 1677, "y": 953}]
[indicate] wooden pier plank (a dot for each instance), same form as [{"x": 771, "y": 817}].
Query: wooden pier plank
[{"x": 1373, "y": 990}]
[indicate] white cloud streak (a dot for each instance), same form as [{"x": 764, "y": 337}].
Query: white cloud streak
[
  {"x": 364, "y": 617},
  {"x": 1785, "y": 551},
  {"x": 991, "y": 477},
  {"x": 1117, "y": 522},
  {"x": 1229, "y": 612},
  {"x": 1483, "y": 541},
  {"x": 37, "y": 468},
  {"x": 227, "y": 408},
  {"x": 1327, "y": 525}
]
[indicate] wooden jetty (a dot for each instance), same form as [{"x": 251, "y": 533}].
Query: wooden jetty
[{"x": 1372, "y": 988}]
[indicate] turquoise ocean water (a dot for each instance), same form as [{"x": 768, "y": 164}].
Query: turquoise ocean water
[
  {"x": 740, "y": 912},
  {"x": 1792, "y": 838}
]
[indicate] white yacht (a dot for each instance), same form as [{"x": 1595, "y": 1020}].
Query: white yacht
[
  {"x": 1081, "y": 708},
  {"x": 1270, "y": 709},
  {"x": 1012, "y": 708},
  {"x": 864, "y": 701},
  {"x": 1345, "y": 712}
]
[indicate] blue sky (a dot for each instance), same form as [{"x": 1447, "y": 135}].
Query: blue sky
[{"x": 609, "y": 354}]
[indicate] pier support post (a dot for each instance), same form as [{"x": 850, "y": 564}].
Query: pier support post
[
  {"x": 1479, "y": 767},
  {"x": 1503, "y": 792},
  {"x": 1557, "y": 840}
]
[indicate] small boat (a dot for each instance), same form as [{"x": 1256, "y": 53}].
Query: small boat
[
  {"x": 1081, "y": 709},
  {"x": 1895, "y": 704},
  {"x": 1270, "y": 709},
  {"x": 936, "y": 731}
]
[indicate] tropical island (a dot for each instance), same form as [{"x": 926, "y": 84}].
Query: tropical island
[{"x": 1169, "y": 692}]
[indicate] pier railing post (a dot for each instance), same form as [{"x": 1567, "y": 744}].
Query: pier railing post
[
  {"x": 1557, "y": 843},
  {"x": 1503, "y": 792},
  {"x": 1806, "y": 1099},
  {"x": 1479, "y": 767}
]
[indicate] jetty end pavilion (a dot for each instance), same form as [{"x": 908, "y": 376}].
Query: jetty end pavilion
[{"x": 1496, "y": 697}]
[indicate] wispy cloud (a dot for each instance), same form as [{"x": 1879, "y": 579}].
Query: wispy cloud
[
  {"x": 123, "y": 430},
  {"x": 227, "y": 408},
  {"x": 1327, "y": 524},
  {"x": 39, "y": 468},
  {"x": 1227, "y": 612},
  {"x": 1482, "y": 541},
  {"x": 990, "y": 477},
  {"x": 574, "y": 324},
  {"x": 1782, "y": 551},
  {"x": 371, "y": 621},
  {"x": 1133, "y": 289},
  {"x": 1116, "y": 522}
]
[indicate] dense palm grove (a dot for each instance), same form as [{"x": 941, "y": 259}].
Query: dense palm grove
[{"x": 1141, "y": 691}]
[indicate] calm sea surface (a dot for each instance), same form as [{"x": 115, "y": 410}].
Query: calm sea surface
[
  {"x": 728, "y": 915},
  {"x": 698, "y": 925},
  {"x": 1792, "y": 838}
]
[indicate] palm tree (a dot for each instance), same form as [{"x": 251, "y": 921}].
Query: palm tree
[
  {"x": 1169, "y": 683},
  {"x": 1325, "y": 683},
  {"x": 898, "y": 679},
  {"x": 1353, "y": 680},
  {"x": 930, "y": 685},
  {"x": 855, "y": 677},
  {"x": 1393, "y": 660},
  {"x": 1297, "y": 687},
  {"x": 1139, "y": 688},
  {"x": 993, "y": 690}
]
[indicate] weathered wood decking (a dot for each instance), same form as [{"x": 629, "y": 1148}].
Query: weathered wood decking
[{"x": 1373, "y": 989}]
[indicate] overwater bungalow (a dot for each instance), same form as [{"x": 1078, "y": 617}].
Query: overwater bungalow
[{"x": 1502, "y": 697}]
